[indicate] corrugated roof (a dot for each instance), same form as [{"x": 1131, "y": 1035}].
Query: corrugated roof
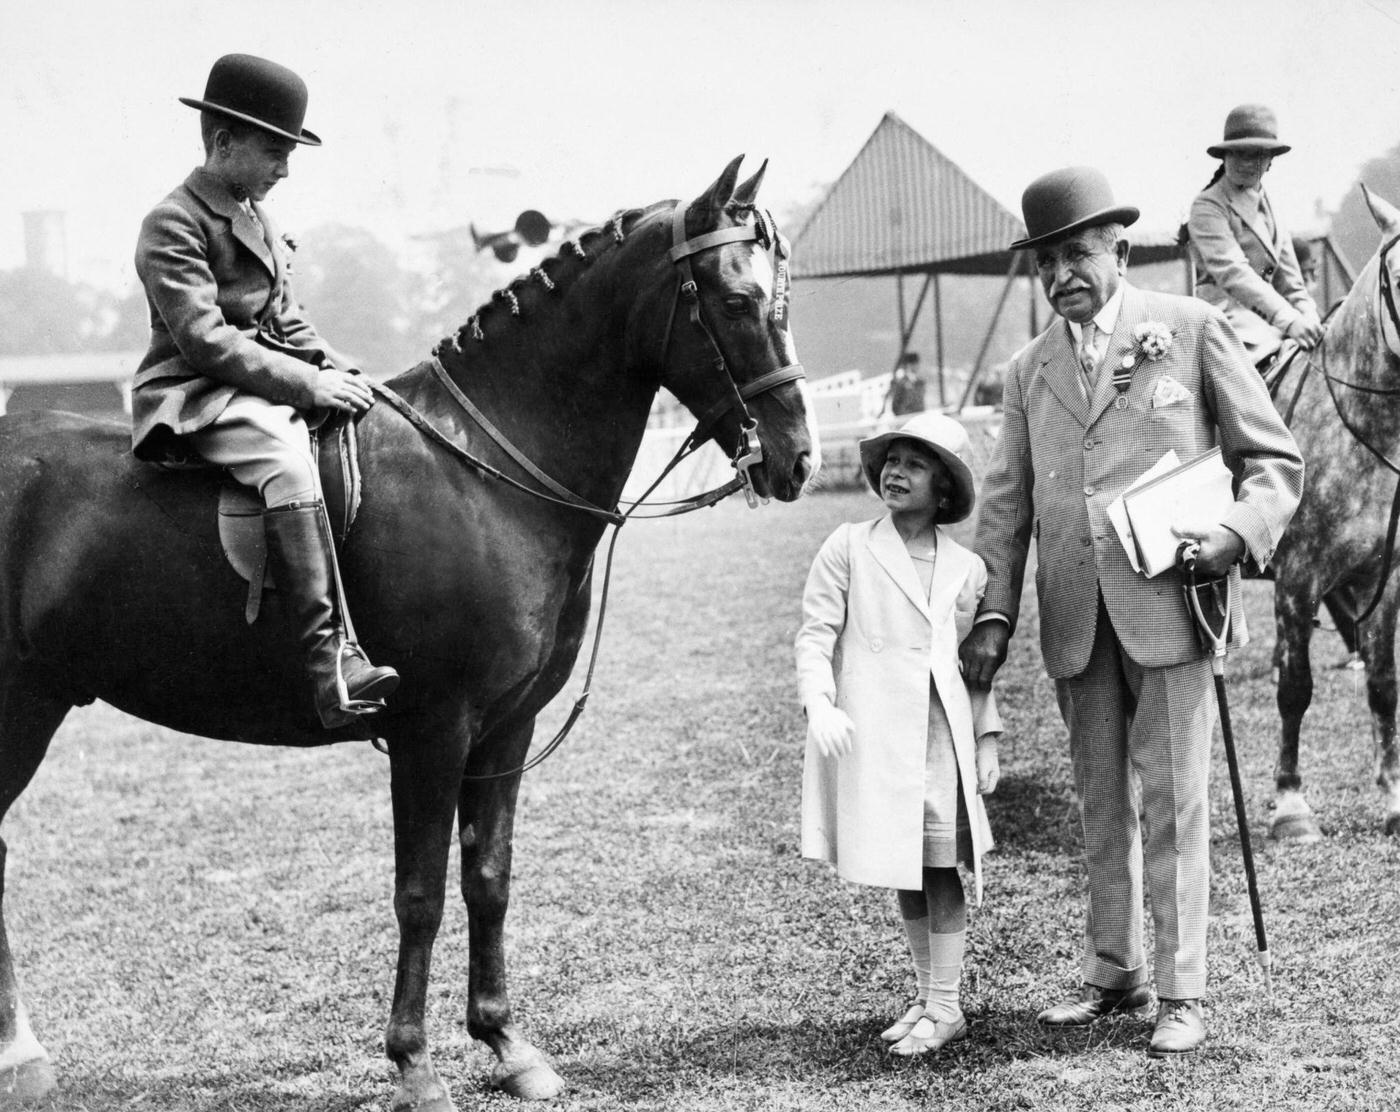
[{"x": 903, "y": 205}]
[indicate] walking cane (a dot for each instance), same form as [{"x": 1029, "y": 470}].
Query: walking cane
[{"x": 1212, "y": 619}]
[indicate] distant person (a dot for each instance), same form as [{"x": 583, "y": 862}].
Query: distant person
[
  {"x": 235, "y": 375},
  {"x": 899, "y": 752},
  {"x": 907, "y": 388},
  {"x": 1245, "y": 265},
  {"x": 1306, "y": 255},
  {"x": 1119, "y": 377}
]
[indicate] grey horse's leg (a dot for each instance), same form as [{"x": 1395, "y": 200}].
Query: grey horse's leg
[
  {"x": 1378, "y": 651},
  {"x": 486, "y": 820},
  {"x": 1294, "y": 605}
]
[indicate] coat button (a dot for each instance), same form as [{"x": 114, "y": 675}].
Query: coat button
[
  {"x": 1089, "y": 443},
  {"x": 1088, "y": 492},
  {"x": 876, "y": 644}
]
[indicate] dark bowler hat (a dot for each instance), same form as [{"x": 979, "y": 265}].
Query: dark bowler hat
[
  {"x": 1250, "y": 127},
  {"x": 258, "y": 92},
  {"x": 1064, "y": 201}
]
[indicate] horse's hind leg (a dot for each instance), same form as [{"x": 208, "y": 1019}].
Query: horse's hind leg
[
  {"x": 27, "y": 724},
  {"x": 1378, "y": 650},
  {"x": 1293, "y": 819},
  {"x": 486, "y": 823}
]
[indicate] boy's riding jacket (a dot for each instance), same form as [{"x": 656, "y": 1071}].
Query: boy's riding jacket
[{"x": 223, "y": 317}]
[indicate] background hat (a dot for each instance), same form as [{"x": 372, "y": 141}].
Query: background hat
[
  {"x": 1250, "y": 127},
  {"x": 1064, "y": 201},
  {"x": 258, "y": 92},
  {"x": 942, "y": 436}
]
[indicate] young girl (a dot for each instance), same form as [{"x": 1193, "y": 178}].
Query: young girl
[{"x": 895, "y": 739}]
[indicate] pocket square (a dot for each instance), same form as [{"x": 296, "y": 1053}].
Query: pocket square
[{"x": 1169, "y": 392}]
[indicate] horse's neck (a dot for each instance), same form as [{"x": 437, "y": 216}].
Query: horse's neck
[{"x": 557, "y": 378}]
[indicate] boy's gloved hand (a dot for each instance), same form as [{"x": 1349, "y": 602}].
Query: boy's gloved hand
[
  {"x": 831, "y": 728},
  {"x": 988, "y": 766}
]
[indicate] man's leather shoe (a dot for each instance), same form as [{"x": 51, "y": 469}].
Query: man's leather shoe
[
  {"x": 1180, "y": 1028},
  {"x": 1095, "y": 1003}
]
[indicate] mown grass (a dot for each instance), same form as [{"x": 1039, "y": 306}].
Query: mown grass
[{"x": 208, "y": 928}]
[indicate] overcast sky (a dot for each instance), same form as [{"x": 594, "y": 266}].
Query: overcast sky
[{"x": 437, "y": 112}]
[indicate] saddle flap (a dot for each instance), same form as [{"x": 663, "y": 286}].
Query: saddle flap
[{"x": 241, "y": 509}]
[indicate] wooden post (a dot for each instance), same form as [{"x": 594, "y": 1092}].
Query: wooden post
[
  {"x": 938, "y": 338},
  {"x": 1011, "y": 275}
]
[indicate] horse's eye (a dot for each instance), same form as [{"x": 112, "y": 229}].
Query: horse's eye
[{"x": 736, "y": 305}]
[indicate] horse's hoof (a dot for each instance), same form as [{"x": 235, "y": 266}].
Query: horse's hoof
[
  {"x": 1300, "y": 830},
  {"x": 27, "y": 1083},
  {"x": 432, "y": 1098},
  {"x": 528, "y": 1078}
]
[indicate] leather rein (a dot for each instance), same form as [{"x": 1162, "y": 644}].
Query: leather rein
[
  {"x": 1387, "y": 298},
  {"x": 749, "y": 453}
]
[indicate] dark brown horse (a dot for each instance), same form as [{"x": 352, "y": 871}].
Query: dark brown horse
[
  {"x": 113, "y": 585},
  {"x": 1342, "y": 403}
]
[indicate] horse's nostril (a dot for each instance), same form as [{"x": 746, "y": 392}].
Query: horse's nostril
[{"x": 802, "y": 469}]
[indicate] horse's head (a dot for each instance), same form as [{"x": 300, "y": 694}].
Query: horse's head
[
  {"x": 1387, "y": 218},
  {"x": 728, "y": 353}
]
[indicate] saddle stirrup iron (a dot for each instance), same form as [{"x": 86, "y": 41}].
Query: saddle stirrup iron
[{"x": 304, "y": 566}]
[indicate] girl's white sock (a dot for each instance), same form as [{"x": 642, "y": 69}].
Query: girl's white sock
[
  {"x": 945, "y": 974},
  {"x": 917, "y": 932}
]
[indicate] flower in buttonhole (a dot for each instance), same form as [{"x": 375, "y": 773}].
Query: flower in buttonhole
[{"x": 1153, "y": 339}]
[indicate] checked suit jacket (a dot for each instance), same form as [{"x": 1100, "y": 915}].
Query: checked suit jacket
[
  {"x": 223, "y": 317},
  {"x": 1062, "y": 457}
]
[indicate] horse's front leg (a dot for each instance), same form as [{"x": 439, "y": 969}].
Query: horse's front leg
[
  {"x": 1294, "y": 605},
  {"x": 1378, "y": 650},
  {"x": 486, "y": 825},
  {"x": 425, "y": 771}
]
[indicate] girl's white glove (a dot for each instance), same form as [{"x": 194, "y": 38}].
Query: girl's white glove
[
  {"x": 988, "y": 766},
  {"x": 830, "y": 728}
]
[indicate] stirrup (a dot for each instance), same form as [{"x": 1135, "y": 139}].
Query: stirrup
[{"x": 346, "y": 705}]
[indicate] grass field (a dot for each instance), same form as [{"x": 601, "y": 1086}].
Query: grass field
[{"x": 207, "y": 927}]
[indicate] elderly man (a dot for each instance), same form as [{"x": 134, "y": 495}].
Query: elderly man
[{"x": 1091, "y": 404}]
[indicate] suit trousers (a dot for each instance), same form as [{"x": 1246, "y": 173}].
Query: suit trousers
[
  {"x": 265, "y": 446},
  {"x": 1158, "y": 722}
]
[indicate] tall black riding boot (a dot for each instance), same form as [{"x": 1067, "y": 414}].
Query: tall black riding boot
[{"x": 300, "y": 555}]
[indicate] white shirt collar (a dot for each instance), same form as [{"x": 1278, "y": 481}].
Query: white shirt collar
[{"x": 1105, "y": 320}]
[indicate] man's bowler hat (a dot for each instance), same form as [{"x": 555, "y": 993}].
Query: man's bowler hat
[
  {"x": 946, "y": 439},
  {"x": 1064, "y": 201},
  {"x": 1250, "y": 128},
  {"x": 258, "y": 92}
]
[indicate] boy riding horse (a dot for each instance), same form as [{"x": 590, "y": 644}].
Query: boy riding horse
[{"x": 235, "y": 376}]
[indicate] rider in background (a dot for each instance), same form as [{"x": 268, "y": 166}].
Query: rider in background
[
  {"x": 1244, "y": 259},
  {"x": 235, "y": 376}
]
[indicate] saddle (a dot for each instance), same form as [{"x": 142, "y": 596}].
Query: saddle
[{"x": 241, "y": 508}]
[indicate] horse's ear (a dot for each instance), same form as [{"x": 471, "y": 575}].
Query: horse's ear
[
  {"x": 746, "y": 193},
  {"x": 720, "y": 193},
  {"x": 1386, "y": 215}
]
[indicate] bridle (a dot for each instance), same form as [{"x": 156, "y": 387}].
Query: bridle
[
  {"x": 748, "y": 454},
  {"x": 763, "y": 231},
  {"x": 1386, "y": 296}
]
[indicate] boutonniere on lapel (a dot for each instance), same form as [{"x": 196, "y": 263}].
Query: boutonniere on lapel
[
  {"x": 290, "y": 245},
  {"x": 1151, "y": 340}
]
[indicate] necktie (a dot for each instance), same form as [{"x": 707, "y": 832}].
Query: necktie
[{"x": 1087, "y": 357}]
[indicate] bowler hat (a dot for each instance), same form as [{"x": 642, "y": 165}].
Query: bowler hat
[
  {"x": 1064, "y": 201},
  {"x": 942, "y": 436},
  {"x": 1250, "y": 127},
  {"x": 258, "y": 92}
]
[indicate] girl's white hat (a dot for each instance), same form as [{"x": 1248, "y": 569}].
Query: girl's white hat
[{"x": 942, "y": 436}]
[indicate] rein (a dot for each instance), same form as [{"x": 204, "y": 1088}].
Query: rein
[{"x": 749, "y": 453}]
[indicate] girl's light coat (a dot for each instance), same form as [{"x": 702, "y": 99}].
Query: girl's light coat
[{"x": 870, "y": 641}]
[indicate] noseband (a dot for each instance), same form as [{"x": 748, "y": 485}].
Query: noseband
[{"x": 749, "y": 453}]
